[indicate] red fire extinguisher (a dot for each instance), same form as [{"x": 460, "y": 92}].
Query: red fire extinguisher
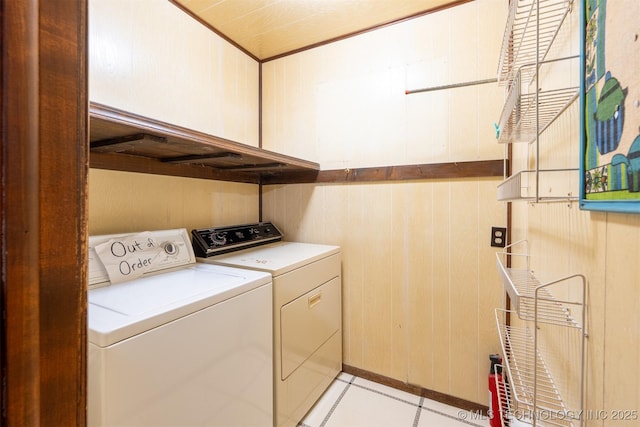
[{"x": 496, "y": 386}]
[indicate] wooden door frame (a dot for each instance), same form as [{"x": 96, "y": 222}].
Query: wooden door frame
[{"x": 44, "y": 159}]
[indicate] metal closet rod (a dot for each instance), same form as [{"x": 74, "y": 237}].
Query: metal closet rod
[{"x": 451, "y": 86}]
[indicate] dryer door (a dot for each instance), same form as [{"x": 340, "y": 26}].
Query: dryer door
[{"x": 308, "y": 322}]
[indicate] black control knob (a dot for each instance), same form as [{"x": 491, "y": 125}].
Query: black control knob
[{"x": 218, "y": 239}]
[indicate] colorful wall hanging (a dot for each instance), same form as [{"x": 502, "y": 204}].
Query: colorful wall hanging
[{"x": 610, "y": 106}]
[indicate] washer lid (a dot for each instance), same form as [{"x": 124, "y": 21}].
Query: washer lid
[
  {"x": 123, "y": 310},
  {"x": 276, "y": 258}
]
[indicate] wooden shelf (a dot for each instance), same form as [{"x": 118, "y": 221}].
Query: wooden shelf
[
  {"x": 121, "y": 140},
  {"x": 128, "y": 142}
]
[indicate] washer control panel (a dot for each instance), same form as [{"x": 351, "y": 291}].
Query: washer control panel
[{"x": 213, "y": 241}]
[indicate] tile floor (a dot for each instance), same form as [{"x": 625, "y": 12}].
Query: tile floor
[{"x": 352, "y": 401}]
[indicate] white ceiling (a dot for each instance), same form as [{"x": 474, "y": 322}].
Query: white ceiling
[{"x": 269, "y": 28}]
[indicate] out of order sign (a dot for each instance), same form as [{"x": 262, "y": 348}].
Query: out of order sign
[{"x": 128, "y": 257}]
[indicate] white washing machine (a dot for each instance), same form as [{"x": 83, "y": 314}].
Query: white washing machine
[
  {"x": 307, "y": 307},
  {"x": 173, "y": 342}
]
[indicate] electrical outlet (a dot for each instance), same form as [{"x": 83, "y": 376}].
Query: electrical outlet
[{"x": 498, "y": 237}]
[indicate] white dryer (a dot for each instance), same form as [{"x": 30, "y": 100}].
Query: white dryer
[
  {"x": 307, "y": 307},
  {"x": 183, "y": 344}
]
